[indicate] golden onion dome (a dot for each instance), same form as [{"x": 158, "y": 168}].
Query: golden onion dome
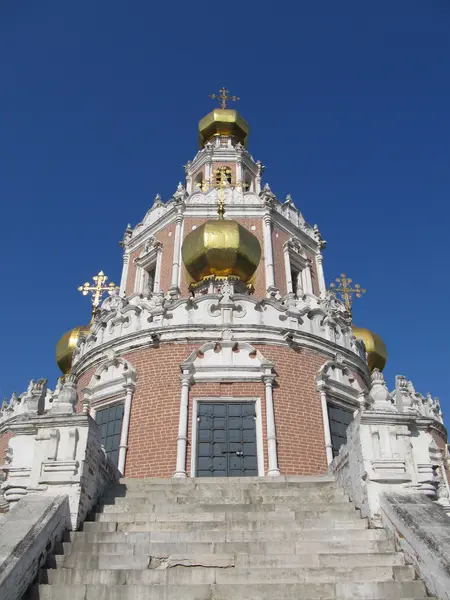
[
  {"x": 375, "y": 347},
  {"x": 223, "y": 121},
  {"x": 220, "y": 247},
  {"x": 66, "y": 346}
]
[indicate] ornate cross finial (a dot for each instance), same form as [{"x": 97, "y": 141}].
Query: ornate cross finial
[
  {"x": 346, "y": 292},
  {"x": 221, "y": 185},
  {"x": 97, "y": 289},
  {"x": 223, "y": 97}
]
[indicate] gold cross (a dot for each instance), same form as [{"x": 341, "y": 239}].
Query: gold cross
[
  {"x": 97, "y": 290},
  {"x": 223, "y": 97},
  {"x": 346, "y": 292},
  {"x": 220, "y": 185}
]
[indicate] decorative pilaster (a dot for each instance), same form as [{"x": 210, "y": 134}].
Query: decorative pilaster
[
  {"x": 326, "y": 424},
  {"x": 123, "y": 281},
  {"x": 273, "y": 469},
  {"x": 307, "y": 278},
  {"x": 157, "y": 283},
  {"x": 268, "y": 256},
  {"x": 320, "y": 275},
  {"x": 126, "y": 259},
  {"x": 174, "y": 289},
  {"x": 180, "y": 470},
  {"x": 123, "y": 446},
  {"x": 287, "y": 268}
]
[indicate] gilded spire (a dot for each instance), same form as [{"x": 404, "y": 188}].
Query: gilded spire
[{"x": 223, "y": 97}]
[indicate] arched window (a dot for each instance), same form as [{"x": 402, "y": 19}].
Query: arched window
[
  {"x": 247, "y": 182},
  {"x": 199, "y": 180}
]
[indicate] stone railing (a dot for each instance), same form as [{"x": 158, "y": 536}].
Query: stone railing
[
  {"x": 58, "y": 453},
  {"x": 391, "y": 446}
]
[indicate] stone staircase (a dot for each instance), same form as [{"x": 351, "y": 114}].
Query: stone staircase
[{"x": 227, "y": 539}]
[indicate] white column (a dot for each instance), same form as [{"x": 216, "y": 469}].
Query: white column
[
  {"x": 139, "y": 280},
  {"x": 268, "y": 255},
  {"x": 273, "y": 469},
  {"x": 287, "y": 268},
  {"x": 180, "y": 470},
  {"x": 320, "y": 275},
  {"x": 174, "y": 290},
  {"x": 123, "y": 446},
  {"x": 208, "y": 169},
  {"x": 123, "y": 281},
  {"x": 157, "y": 284},
  {"x": 326, "y": 426},
  {"x": 307, "y": 279},
  {"x": 239, "y": 172}
]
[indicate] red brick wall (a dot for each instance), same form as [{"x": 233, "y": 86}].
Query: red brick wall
[{"x": 156, "y": 405}]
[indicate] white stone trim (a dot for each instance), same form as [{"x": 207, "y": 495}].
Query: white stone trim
[
  {"x": 268, "y": 254},
  {"x": 124, "y": 278},
  {"x": 296, "y": 258},
  {"x": 259, "y": 428},
  {"x": 113, "y": 383},
  {"x": 180, "y": 469},
  {"x": 150, "y": 257},
  {"x": 174, "y": 289},
  {"x": 320, "y": 274},
  {"x": 326, "y": 427}
]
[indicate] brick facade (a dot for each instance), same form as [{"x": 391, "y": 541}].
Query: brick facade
[{"x": 152, "y": 441}]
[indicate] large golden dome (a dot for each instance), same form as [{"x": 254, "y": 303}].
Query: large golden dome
[
  {"x": 222, "y": 121},
  {"x": 221, "y": 247},
  {"x": 375, "y": 347},
  {"x": 66, "y": 346}
]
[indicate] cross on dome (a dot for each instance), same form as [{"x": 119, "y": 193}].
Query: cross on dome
[{"x": 223, "y": 97}]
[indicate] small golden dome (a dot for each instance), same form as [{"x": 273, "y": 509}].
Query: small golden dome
[
  {"x": 66, "y": 346},
  {"x": 375, "y": 347},
  {"x": 222, "y": 121},
  {"x": 222, "y": 248}
]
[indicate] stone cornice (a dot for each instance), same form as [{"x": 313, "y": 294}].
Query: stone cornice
[{"x": 256, "y": 335}]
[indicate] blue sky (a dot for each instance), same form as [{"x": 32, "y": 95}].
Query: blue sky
[{"x": 348, "y": 104}]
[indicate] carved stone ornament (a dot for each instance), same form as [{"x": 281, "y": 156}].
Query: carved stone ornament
[{"x": 379, "y": 396}]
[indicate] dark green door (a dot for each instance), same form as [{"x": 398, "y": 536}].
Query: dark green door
[
  {"x": 110, "y": 422},
  {"x": 226, "y": 439},
  {"x": 339, "y": 419}
]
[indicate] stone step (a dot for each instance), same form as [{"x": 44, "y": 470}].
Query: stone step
[
  {"x": 83, "y": 560},
  {"x": 350, "y": 591},
  {"x": 164, "y": 500},
  {"x": 284, "y": 548},
  {"x": 163, "y": 509},
  {"x": 166, "y": 574},
  {"x": 280, "y": 516},
  {"x": 232, "y": 526},
  {"x": 311, "y": 535},
  {"x": 303, "y": 481},
  {"x": 222, "y": 493}
]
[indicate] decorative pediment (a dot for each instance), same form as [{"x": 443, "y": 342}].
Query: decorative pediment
[
  {"x": 110, "y": 379},
  {"x": 338, "y": 381},
  {"x": 226, "y": 360}
]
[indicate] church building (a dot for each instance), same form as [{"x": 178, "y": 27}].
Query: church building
[{"x": 222, "y": 353}]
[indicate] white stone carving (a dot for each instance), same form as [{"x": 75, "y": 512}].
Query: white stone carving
[{"x": 390, "y": 447}]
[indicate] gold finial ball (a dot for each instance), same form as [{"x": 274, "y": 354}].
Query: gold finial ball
[
  {"x": 375, "y": 347},
  {"x": 66, "y": 345},
  {"x": 222, "y": 248}
]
